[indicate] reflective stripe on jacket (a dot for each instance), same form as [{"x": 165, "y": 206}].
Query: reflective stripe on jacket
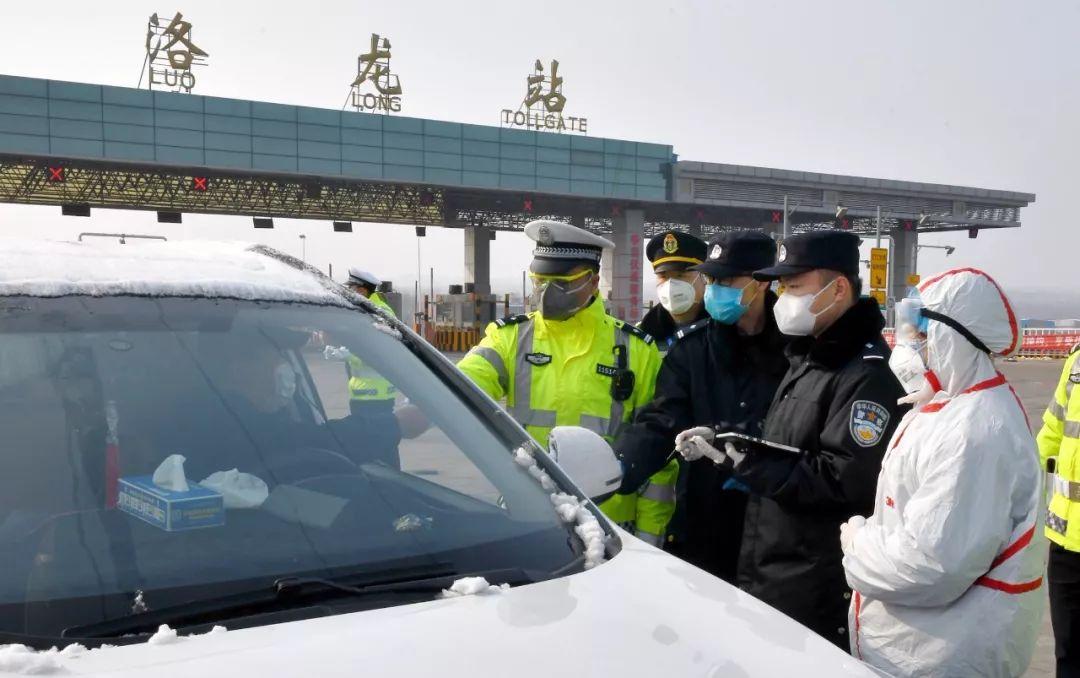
[
  {"x": 1060, "y": 439},
  {"x": 560, "y": 374},
  {"x": 365, "y": 383}
]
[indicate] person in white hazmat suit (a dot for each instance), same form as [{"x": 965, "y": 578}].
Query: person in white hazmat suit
[{"x": 947, "y": 573}]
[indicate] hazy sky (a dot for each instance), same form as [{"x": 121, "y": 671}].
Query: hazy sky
[{"x": 972, "y": 92}]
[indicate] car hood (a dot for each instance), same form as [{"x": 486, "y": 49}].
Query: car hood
[{"x": 643, "y": 613}]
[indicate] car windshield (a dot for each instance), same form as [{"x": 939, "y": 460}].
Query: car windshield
[{"x": 157, "y": 451}]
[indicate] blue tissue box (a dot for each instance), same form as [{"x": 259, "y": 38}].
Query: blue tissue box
[{"x": 170, "y": 511}]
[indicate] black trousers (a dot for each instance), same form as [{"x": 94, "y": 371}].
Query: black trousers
[{"x": 1064, "y": 576}]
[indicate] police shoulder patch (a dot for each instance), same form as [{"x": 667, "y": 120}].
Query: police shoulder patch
[
  {"x": 868, "y": 422},
  {"x": 636, "y": 332},
  {"x": 511, "y": 320}
]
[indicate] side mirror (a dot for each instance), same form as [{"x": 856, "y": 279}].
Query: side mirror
[{"x": 587, "y": 459}]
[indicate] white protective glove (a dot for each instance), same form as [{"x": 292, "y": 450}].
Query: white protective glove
[
  {"x": 848, "y": 530},
  {"x": 339, "y": 353},
  {"x": 693, "y": 444}
]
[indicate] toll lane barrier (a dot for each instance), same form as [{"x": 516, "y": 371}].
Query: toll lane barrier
[
  {"x": 1036, "y": 342},
  {"x": 456, "y": 339}
]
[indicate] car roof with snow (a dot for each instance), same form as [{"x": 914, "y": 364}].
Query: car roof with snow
[{"x": 229, "y": 270}]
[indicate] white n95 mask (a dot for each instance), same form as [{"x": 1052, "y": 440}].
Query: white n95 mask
[
  {"x": 284, "y": 381},
  {"x": 907, "y": 364},
  {"x": 793, "y": 315},
  {"x": 677, "y": 296}
]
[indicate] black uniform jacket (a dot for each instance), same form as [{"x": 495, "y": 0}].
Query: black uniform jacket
[
  {"x": 659, "y": 324},
  {"x": 711, "y": 374},
  {"x": 837, "y": 403}
]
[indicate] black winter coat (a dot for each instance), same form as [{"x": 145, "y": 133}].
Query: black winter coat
[
  {"x": 659, "y": 324},
  {"x": 837, "y": 403},
  {"x": 711, "y": 374}
]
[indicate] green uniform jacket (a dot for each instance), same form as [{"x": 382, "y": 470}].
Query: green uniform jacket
[
  {"x": 1060, "y": 439},
  {"x": 560, "y": 374}
]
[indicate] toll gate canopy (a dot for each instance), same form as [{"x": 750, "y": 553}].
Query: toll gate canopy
[{"x": 83, "y": 145}]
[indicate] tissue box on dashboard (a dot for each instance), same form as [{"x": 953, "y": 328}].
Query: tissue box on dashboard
[{"x": 168, "y": 510}]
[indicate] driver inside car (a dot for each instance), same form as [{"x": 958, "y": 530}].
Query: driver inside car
[{"x": 261, "y": 413}]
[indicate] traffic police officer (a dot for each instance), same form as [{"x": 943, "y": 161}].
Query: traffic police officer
[
  {"x": 570, "y": 363},
  {"x": 1059, "y": 447},
  {"x": 837, "y": 404},
  {"x": 678, "y": 287},
  {"x": 367, "y": 284},
  {"x": 368, "y": 390},
  {"x": 724, "y": 368}
]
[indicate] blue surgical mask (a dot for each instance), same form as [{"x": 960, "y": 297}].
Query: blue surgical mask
[{"x": 724, "y": 304}]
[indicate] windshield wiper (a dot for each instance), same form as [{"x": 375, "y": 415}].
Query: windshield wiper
[{"x": 288, "y": 592}]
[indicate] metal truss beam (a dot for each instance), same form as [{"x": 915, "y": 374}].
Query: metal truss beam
[
  {"x": 167, "y": 189},
  {"x": 175, "y": 189}
]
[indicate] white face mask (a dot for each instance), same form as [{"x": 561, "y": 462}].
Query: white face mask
[
  {"x": 907, "y": 364},
  {"x": 284, "y": 381},
  {"x": 677, "y": 296},
  {"x": 793, "y": 315}
]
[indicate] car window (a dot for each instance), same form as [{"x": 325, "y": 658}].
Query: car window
[
  {"x": 430, "y": 455},
  {"x": 184, "y": 448}
]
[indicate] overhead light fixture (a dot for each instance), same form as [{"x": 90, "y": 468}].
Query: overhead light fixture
[
  {"x": 491, "y": 234},
  {"x": 841, "y": 211},
  {"x": 421, "y": 231},
  {"x": 313, "y": 190},
  {"x": 263, "y": 222},
  {"x": 949, "y": 250},
  {"x": 923, "y": 218},
  {"x": 170, "y": 218},
  {"x": 342, "y": 227},
  {"x": 75, "y": 210}
]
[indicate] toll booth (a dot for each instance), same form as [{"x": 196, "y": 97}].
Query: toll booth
[{"x": 461, "y": 316}]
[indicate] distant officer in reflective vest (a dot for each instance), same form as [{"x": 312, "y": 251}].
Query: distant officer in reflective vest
[
  {"x": 1059, "y": 447},
  {"x": 571, "y": 364},
  {"x": 368, "y": 389}
]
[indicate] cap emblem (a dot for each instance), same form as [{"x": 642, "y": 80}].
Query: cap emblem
[
  {"x": 544, "y": 237},
  {"x": 671, "y": 243},
  {"x": 716, "y": 252},
  {"x": 782, "y": 257}
]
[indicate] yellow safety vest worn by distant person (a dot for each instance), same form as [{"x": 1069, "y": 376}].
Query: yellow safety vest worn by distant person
[
  {"x": 560, "y": 374},
  {"x": 1059, "y": 440},
  {"x": 366, "y": 384}
]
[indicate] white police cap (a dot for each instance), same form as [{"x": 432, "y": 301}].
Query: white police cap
[
  {"x": 561, "y": 247},
  {"x": 358, "y": 276}
]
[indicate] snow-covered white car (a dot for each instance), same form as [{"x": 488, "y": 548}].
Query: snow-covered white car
[{"x": 187, "y": 488}]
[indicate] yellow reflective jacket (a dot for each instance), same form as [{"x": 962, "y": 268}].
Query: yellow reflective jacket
[
  {"x": 560, "y": 374},
  {"x": 1060, "y": 439},
  {"x": 366, "y": 384}
]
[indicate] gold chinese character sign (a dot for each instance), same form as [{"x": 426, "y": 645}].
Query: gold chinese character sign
[
  {"x": 542, "y": 107},
  {"x": 171, "y": 52},
  {"x": 373, "y": 70}
]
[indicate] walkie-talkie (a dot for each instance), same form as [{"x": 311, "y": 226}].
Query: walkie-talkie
[{"x": 622, "y": 382}]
